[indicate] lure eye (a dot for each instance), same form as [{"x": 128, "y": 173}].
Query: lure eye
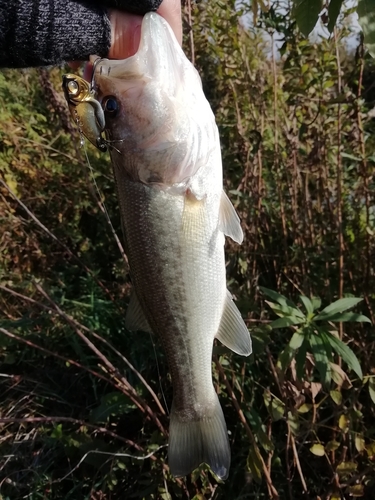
[
  {"x": 110, "y": 106},
  {"x": 73, "y": 87}
]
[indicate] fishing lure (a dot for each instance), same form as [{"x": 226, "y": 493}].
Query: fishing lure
[{"x": 86, "y": 111}]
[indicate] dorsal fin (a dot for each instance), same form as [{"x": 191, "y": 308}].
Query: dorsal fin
[
  {"x": 233, "y": 332},
  {"x": 229, "y": 221}
]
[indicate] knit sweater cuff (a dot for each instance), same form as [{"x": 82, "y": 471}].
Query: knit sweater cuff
[{"x": 45, "y": 32}]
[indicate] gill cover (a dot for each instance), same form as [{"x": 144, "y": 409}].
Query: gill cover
[{"x": 86, "y": 111}]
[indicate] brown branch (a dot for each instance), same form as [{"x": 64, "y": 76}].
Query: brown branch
[
  {"x": 51, "y": 235},
  {"x": 249, "y": 432},
  {"x": 54, "y": 354},
  {"x": 130, "y": 391},
  {"x": 83, "y": 327},
  {"x": 103, "y": 430}
]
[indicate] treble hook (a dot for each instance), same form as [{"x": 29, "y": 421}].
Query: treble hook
[{"x": 94, "y": 65}]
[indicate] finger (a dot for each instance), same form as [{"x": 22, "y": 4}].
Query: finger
[
  {"x": 125, "y": 34},
  {"x": 171, "y": 11},
  {"x": 75, "y": 64}
]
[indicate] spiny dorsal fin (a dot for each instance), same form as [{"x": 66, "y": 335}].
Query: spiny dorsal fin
[
  {"x": 229, "y": 220},
  {"x": 233, "y": 332},
  {"x": 135, "y": 318}
]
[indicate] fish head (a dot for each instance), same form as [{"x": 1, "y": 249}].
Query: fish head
[
  {"x": 85, "y": 110},
  {"x": 159, "y": 125}
]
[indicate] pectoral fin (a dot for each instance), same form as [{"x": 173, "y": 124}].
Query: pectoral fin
[
  {"x": 229, "y": 220},
  {"x": 135, "y": 318},
  {"x": 233, "y": 332}
]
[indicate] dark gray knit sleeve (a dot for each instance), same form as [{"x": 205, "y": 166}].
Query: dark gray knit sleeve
[
  {"x": 134, "y": 6},
  {"x": 48, "y": 32}
]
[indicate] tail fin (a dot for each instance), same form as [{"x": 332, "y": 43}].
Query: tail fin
[{"x": 198, "y": 440}]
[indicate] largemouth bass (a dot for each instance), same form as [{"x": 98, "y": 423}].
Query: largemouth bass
[{"x": 166, "y": 157}]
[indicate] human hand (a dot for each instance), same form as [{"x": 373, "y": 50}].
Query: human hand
[
  {"x": 126, "y": 28},
  {"x": 126, "y": 32}
]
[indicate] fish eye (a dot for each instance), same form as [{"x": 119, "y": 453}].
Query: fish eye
[
  {"x": 73, "y": 87},
  {"x": 110, "y": 106}
]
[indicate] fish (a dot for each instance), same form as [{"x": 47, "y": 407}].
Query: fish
[{"x": 166, "y": 157}]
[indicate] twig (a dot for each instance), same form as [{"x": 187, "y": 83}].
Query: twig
[
  {"x": 83, "y": 327},
  {"x": 130, "y": 391},
  {"x": 242, "y": 418},
  {"x": 51, "y": 353},
  {"x": 113, "y": 455},
  {"x": 103, "y": 430},
  {"x": 51, "y": 235},
  {"x": 298, "y": 463}
]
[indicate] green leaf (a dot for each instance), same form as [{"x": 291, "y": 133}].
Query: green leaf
[
  {"x": 306, "y": 13},
  {"x": 305, "y": 408},
  {"x": 277, "y": 409},
  {"x": 366, "y": 19},
  {"x": 296, "y": 340},
  {"x": 318, "y": 450},
  {"x": 254, "y": 462},
  {"x": 350, "y": 157},
  {"x": 285, "y": 357},
  {"x": 321, "y": 353},
  {"x": 344, "y": 423},
  {"x": 346, "y": 468},
  {"x": 286, "y": 321},
  {"x": 345, "y": 352},
  {"x": 333, "y": 13},
  {"x": 274, "y": 405},
  {"x": 349, "y": 316},
  {"x": 336, "y": 396},
  {"x": 284, "y": 311},
  {"x": 356, "y": 490},
  {"x": 293, "y": 422},
  {"x": 359, "y": 443},
  {"x": 308, "y": 304},
  {"x": 332, "y": 445},
  {"x": 259, "y": 429},
  {"x": 301, "y": 359},
  {"x": 371, "y": 388},
  {"x": 337, "y": 307},
  {"x": 277, "y": 297},
  {"x": 316, "y": 302}
]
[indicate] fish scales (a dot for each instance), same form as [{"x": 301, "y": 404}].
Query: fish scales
[
  {"x": 166, "y": 158},
  {"x": 165, "y": 257}
]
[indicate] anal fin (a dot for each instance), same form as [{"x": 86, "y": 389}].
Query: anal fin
[
  {"x": 233, "y": 332},
  {"x": 135, "y": 318}
]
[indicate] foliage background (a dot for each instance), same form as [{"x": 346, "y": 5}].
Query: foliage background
[{"x": 82, "y": 400}]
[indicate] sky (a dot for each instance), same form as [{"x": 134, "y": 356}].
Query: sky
[{"x": 320, "y": 30}]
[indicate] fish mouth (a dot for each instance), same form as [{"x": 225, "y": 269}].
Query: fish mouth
[{"x": 156, "y": 54}]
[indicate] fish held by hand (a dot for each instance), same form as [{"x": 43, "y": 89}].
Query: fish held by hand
[{"x": 166, "y": 157}]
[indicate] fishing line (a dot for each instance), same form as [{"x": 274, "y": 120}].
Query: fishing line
[
  {"x": 159, "y": 375},
  {"x": 104, "y": 210},
  {"x": 100, "y": 200}
]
